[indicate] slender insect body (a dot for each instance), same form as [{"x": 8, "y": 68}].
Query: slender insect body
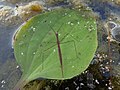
[
  {"x": 59, "y": 48},
  {"x": 59, "y": 52},
  {"x": 58, "y": 43}
]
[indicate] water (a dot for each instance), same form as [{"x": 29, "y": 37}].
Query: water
[
  {"x": 104, "y": 8},
  {"x": 10, "y": 71}
]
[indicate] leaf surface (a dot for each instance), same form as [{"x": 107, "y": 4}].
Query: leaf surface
[{"x": 36, "y": 47}]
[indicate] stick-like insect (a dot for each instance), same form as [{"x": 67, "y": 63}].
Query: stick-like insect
[
  {"x": 59, "y": 48},
  {"x": 58, "y": 43}
]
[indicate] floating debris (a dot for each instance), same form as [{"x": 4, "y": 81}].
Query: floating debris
[
  {"x": 29, "y": 10},
  {"x": 17, "y": 66},
  {"x": 3, "y": 81},
  {"x": 15, "y": 16}
]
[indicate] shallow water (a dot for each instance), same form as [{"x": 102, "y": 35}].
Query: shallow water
[
  {"x": 104, "y": 8},
  {"x": 10, "y": 73}
]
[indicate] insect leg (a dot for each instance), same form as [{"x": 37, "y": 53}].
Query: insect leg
[
  {"x": 74, "y": 46},
  {"x": 43, "y": 54}
]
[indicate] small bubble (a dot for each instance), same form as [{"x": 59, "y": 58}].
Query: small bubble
[
  {"x": 94, "y": 29},
  {"x": 78, "y": 22},
  {"x": 69, "y": 22},
  {"x": 73, "y": 66},
  {"x": 69, "y": 15},
  {"x": 90, "y": 30},
  {"x": 98, "y": 55},
  {"x": 110, "y": 60},
  {"x": 87, "y": 22},
  {"x": 88, "y": 8},
  {"x": 33, "y": 29},
  {"x": 2, "y": 86},
  {"x": 78, "y": 88},
  {"x": 34, "y": 53},
  {"x": 50, "y": 22},
  {"x": 97, "y": 81},
  {"x": 86, "y": 71},
  {"x": 22, "y": 53},
  {"x": 119, "y": 63},
  {"x": 54, "y": 50},
  {"x": 109, "y": 88},
  {"x": 101, "y": 65},
  {"x": 65, "y": 13},
  {"x": 17, "y": 66},
  {"x": 3, "y": 81},
  {"x": 59, "y": 34},
  {"x": 81, "y": 83},
  {"x": 113, "y": 50},
  {"x": 72, "y": 24}
]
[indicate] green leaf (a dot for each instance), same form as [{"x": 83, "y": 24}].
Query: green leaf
[{"x": 36, "y": 47}]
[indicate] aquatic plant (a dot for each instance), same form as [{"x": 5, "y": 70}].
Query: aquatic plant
[{"x": 58, "y": 44}]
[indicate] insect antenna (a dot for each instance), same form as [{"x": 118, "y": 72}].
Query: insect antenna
[
  {"x": 59, "y": 49},
  {"x": 54, "y": 29}
]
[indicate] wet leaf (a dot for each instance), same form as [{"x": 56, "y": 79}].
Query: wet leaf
[{"x": 38, "y": 52}]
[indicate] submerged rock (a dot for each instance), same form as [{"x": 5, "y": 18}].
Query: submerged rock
[
  {"x": 113, "y": 31},
  {"x": 29, "y": 10},
  {"x": 116, "y": 33},
  {"x": 14, "y": 16}
]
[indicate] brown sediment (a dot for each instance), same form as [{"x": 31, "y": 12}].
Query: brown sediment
[
  {"x": 21, "y": 83},
  {"x": 35, "y": 85}
]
